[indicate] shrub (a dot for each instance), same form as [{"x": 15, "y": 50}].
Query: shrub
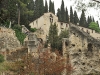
[
  {"x": 33, "y": 29},
  {"x": 1, "y": 58}
]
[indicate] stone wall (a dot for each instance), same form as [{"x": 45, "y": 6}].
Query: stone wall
[
  {"x": 84, "y": 52},
  {"x": 8, "y": 39},
  {"x": 90, "y": 32}
]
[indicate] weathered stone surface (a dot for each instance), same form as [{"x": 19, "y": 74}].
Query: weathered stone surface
[
  {"x": 8, "y": 40},
  {"x": 84, "y": 52}
]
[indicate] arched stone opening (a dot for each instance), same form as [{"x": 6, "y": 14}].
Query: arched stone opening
[
  {"x": 90, "y": 47},
  {"x": 41, "y": 40},
  {"x": 66, "y": 43}
]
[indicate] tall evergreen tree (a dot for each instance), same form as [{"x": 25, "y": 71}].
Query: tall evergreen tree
[
  {"x": 71, "y": 15},
  {"x": 46, "y": 6},
  {"x": 53, "y": 36},
  {"x": 53, "y": 8},
  {"x": 67, "y": 16},
  {"x": 36, "y": 9},
  {"x": 63, "y": 17},
  {"x": 30, "y": 7},
  {"x": 50, "y": 6},
  {"x": 82, "y": 20},
  {"x": 76, "y": 20},
  {"x": 59, "y": 14},
  {"x": 93, "y": 19},
  {"x": 97, "y": 23},
  {"x": 41, "y": 7}
]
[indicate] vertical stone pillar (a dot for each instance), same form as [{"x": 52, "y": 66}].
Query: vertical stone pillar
[{"x": 65, "y": 48}]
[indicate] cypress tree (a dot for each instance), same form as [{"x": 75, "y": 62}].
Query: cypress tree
[
  {"x": 82, "y": 20},
  {"x": 76, "y": 20},
  {"x": 67, "y": 16},
  {"x": 53, "y": 36},
  {"x": 36, "y": 9},
  {"x": 63, "y": 17},
  {"x": 93, "y": 19},
  {"x": 53, "y": 8},
  {"x": 59, "y": 14},
  {"x": 50, "y": 6},
  {"x": 41, "y": 7},
  {"x": 97, "y": 23},
  {"x": 46, "y": 6},
  {"x": 71, "y": 15}
]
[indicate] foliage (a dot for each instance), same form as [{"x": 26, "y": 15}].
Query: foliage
[
  {"x": 46, "y": 7},
  {"x": 54, "y": 39},
  {"x": 71, "y": 15},
  {"x": 47, "y": 63},
  {"x": 63, "y": 17},
  {"x": 1, "y": 58},
  {"x": 3, "y": 66},
  {"x": 51, "y": 7},
  {"x": 18, "y": 27},
  {"x": 33, "y": 29},
  {"x": 21, "y": 36},
  {"x": 62, "y": 13},
  {"x": 63, "y": 34},
  {"x": 67, "y": 16},
  {"x": 76, "y": 20},
  {"x": 12, "y": 10},
  {"x": 82, "y": 21},
  {"x": 53, "y": 36},
  {"x": 94, "y": 26}
]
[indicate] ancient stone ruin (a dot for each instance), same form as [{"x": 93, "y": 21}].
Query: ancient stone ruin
[{"x": 83, "y": 51}]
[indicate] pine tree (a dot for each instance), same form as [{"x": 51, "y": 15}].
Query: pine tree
[
  {"x": 67, "y": 16},
  {"x": 46, "y": 6},
  {"x": 76, "y": 20},
  {"x": 82, "y": 19},
  {"x": 30, "y": 5},
  {"x": 4, "y": 15},
  {"x": 71, "y": 15}
]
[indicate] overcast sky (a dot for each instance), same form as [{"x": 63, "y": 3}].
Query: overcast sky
[{"x": 69, "y": 3}]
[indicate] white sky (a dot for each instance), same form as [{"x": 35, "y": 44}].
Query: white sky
[{"x": 57, "y": 3}]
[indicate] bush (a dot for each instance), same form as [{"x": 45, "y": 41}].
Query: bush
[
  {"x": 33, "y": 29},
  {"x": 1, "y": 58},
  {"x": 21, "y": 36},
  {"x": 18, "y": 27}
]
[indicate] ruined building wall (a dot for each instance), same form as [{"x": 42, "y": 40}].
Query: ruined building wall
[
  {"x": 43, "y": 24},
  {"x": 84, "y": 52},
  {"x": 8, "y": 39}
]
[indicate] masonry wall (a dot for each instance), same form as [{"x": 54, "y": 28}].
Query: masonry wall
[
  {"x": 8, "y": 39},
  {"x": 84, "y": 52}
]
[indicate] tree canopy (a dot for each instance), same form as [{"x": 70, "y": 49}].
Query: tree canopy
[{"x": 94, "y": 26}]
